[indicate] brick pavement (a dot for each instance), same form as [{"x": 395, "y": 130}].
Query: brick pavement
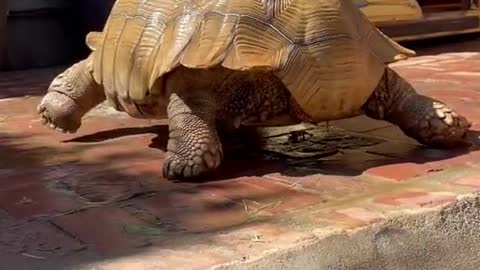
[{"x": 95, "y": 200}]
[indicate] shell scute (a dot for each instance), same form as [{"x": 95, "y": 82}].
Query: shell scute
[{"x": 324, "y": 51}]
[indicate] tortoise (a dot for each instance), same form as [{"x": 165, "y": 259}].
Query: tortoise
[{"x": 206, "y": 64}]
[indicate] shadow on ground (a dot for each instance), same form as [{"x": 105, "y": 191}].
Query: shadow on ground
[
  {"x": 336, "y": 152},
  {"x": 59, "y": 212},
  {"x": 33, "y": 82},
  {"x": 64, "y": 207},
  {"x": 100, "y": 196}
]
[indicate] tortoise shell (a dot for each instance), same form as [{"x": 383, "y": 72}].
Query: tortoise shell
[{"x": 326, "y": 52}]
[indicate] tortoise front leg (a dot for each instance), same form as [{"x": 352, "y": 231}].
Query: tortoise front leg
[
  {"x": 429, "y": 121},
  {"x": 194, "y": 148},
  {"x": 70, "y": 96}
]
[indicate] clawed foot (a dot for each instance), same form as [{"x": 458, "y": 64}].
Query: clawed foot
[
  {"x": 59, "y": 112},
  {"x": 443, "y": 127},
  {"x": 188, "y": 163}
]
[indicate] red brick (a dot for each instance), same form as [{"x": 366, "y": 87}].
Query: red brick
[
  {"x": 131, "y": 155},
  {"x": 36, "y": 238},
  {"x": 194, "y": 210},
  {"x": 458, "y": 93},
  {"x": 469, "y": 181},
  {"x": 353, "y": 217},
  {"x": 204, "y": 257},
  {"x": 414, "y": 62},
  {"x": 37, "y": 199},
  {"x": 362, "y": 214},
  {"x": 476, "y": 128},
  {"x": 31, "y": 131},
  {"x": 294, "y": 201},
  {"x": 399, "y": 171},
  {"x": 460, "y": 65},
  {"x": 102, "y": 186},
  {"x": 244, "y": 188},
  {"x": 19, "y": 108},
  {"x": 415, "y": 73},
  {"x": 276, "y": 198},
  {"x": 460, "y": 77},
  {"x": 112, "y": 127},
  {"x": 115, "y": 129},
  {"x": 12, "y": 178},
  {"x": 116, "y": 152},
  {"x": 416, "y": 198},
  {"x": 256, "y": 238},
  {"x": 326, "y": 187},
  {"x": 394, "y": 198},
  {"x": 453, "y": 64},
  {"x": 151, "y": 166},
  {"x": 469, "y": 158},
  {"x": 223, "y": 204},
  {"x": 103, "y": 229},
  {"x": 412, "y": 161}
]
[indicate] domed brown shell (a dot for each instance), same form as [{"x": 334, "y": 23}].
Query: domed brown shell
[{"x": 326, "y": 52}]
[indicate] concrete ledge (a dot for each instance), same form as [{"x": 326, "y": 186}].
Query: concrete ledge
[{"x": 443, "y": 239}]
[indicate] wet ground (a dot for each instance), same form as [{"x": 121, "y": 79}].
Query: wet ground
[{"x": 96, "y": 199}]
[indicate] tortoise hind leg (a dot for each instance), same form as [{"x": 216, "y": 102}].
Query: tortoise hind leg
[
  {"x": 194, "y": 148},
  {"x": 429, "y": 121},
  {"x": 70, "y": 95},
  {"x": 250, "y": 98}
]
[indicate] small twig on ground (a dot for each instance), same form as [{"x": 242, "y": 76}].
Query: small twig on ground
[
  {"x": 34, "y": 256},
  {"x": 245, "y": 206},
  {"x": 256, "y": 238},
  {"x": 257, "y": 211}
]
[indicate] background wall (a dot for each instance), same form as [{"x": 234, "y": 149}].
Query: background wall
[
  {"x": 49, "y": 32},
  {"x": 3, "y": 22}
]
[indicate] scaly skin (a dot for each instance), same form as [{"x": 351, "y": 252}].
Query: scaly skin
[
  {"x": 195, "y": 100},
  {"x": 228, "y": 97},
  {"x": 70, "y": 96},
  {"x": 258, "y": 98},
  {"x": 193, "y": 145},
  {"x": 427, "y": 120},
  {"x": 220, "y": 95}
]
